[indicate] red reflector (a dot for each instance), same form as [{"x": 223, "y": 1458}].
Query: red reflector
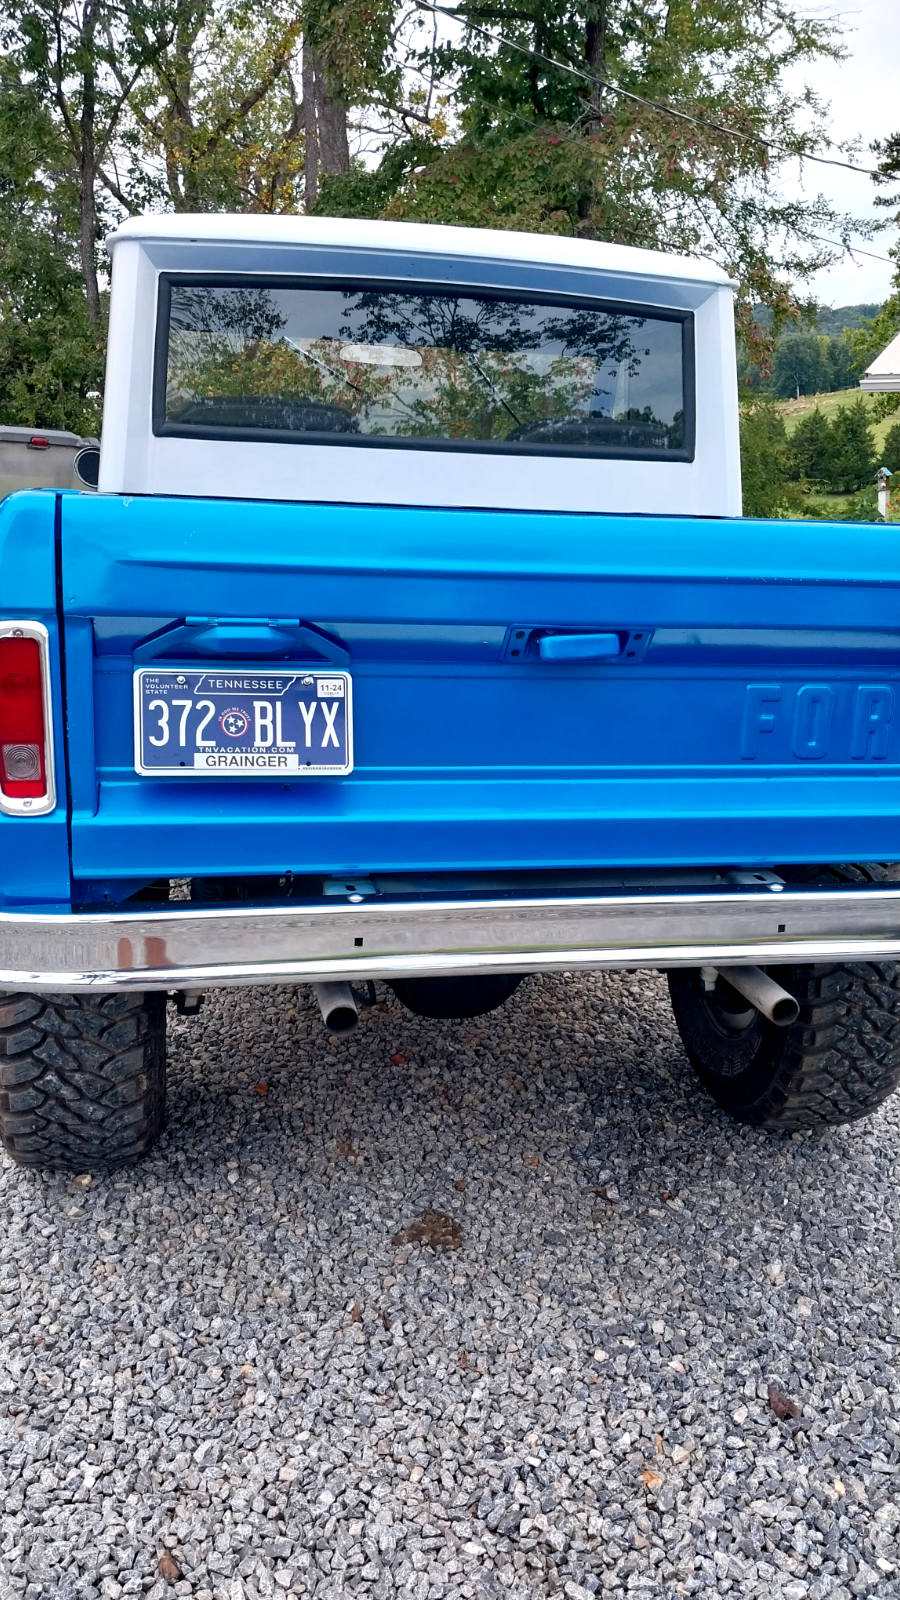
[{"x": 22, "y": 763}]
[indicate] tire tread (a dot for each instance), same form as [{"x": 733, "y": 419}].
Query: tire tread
[{"x": 82, "y": 1078}]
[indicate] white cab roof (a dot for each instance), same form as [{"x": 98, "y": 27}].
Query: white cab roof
[
  {"x": 140, "y": 458},
  {"x": 407, "y": 238},
  {"x": 884, "y": 372}
]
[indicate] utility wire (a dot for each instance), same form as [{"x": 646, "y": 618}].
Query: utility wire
[
  {"x": 853, "y": 249},
  {"x": 641, "y": 100}
]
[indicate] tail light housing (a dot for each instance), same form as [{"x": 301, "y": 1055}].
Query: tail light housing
[{"x": 26, "y": 727}]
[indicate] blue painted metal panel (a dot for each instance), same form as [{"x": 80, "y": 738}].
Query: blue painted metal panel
[
  {"x": 34, "y": 851},
  {"x": 762, "y": 725},
  {"x": 171, "y": 542},
  {"x": 457, "y": 823},
  {"x": 27, "y": 562},
  {"x": 83, "y": 782},
  {"x": 34, "y": 862}
]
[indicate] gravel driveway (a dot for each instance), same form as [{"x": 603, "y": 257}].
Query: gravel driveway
[{"x": 237, "y": 1371}]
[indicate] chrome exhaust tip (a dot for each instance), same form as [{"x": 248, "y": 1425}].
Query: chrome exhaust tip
[
  {"x": 338, "y": 1007},
  {"x": 764, "y": 993}
]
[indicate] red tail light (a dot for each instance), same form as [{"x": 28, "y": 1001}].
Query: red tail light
[{"x": 23, "y": 739}]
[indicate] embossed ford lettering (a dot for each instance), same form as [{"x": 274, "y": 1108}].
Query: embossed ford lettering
[{"x": 811, "y": 717}]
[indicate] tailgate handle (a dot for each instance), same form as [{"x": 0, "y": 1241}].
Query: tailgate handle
[
  {"x": 529, "y": 642},
  {"x": 579, "y": 646}
]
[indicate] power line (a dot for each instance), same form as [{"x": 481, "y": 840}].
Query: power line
[
  {"x": 627, "y": 94},
  {"x": 853, "y": 249}
]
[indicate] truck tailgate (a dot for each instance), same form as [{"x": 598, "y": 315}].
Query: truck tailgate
[{"x": 749, "y": 714}]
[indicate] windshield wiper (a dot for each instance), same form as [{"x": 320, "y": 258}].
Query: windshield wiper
[
  {"x": 493, "y": 388},
  {"x": 322, "y": 365}
]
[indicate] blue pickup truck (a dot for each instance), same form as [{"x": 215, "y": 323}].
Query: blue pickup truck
[{"x": 414, "y": 634}]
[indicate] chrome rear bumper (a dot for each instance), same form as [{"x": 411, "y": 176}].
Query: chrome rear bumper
[{"x": 188, "y": 948}]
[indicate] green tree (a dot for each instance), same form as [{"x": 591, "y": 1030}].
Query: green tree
[
  {"x": 851, "y": 463},
  {"x": 811, "y": 448},
  {"x": 51, "y": 354},
  {"x": 59, "y": 50},
  {"x": 208, "y": 116},
  {"x": 352, "y": 58},
  {"x": 889, "y": 455},
  {"x": 800, "y": 366},
  {"x": 218, "y": 105},
  {"x": 124, "y": 105},
  {"x": 838, "y": 364},
  {"x": 766, "y": 462},
  {"x": 541, "y": 148}
]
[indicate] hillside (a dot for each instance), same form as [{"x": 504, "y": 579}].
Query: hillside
[
  {"x": 834, "y": 319},
  {"x": 829, "y": 319}
]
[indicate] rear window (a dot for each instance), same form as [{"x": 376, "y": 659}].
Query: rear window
[{"x": 422, "y": 367}]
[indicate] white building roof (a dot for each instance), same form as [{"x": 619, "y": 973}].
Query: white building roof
[
  {"x": 415, "y": 238},
  {"x": 884, "y": 372}
]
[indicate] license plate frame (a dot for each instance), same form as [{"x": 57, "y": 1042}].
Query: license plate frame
[{"x": 169, "y": 722}]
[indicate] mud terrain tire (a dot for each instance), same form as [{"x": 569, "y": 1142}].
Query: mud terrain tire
[
  {"x": 82, "y": 1078},
  {"x": 836, "y": 1063}
]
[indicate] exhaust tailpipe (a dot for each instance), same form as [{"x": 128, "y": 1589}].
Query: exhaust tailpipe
[
  {"x": 337, "y": 1006},
  {"x": 763, "y": 993}
]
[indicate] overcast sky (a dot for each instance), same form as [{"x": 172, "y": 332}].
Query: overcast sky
[{"x": 864, "y": 96}]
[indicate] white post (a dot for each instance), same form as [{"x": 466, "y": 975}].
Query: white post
[{"x": 882, "y": 479}]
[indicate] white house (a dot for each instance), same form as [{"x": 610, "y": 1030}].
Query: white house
[{"x": 884, "y": 372}]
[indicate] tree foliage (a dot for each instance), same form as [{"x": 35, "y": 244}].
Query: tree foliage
[
  {"x": 837, "y": 455},
  {"x": 811, "y": 448},
  {"x": 543, "y": 149},
  {"x": 852, "y": 460},
  {"x": 534, "y": 115},
  {"x": 214, "y": 121},
  {"x": 51, "y": 354},
  {"x": 889, "y": 455},
  {"x": 767, "y": 466},
  {"x": 810, "y": 363}
]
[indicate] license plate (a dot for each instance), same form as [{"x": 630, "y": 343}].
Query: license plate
[{"x": 230, "y": 723}]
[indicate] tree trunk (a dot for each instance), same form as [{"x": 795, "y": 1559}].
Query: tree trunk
[
  {"x": 334, "y": 147},
  {"x": 325, "y": 123},
  {"x": 595, "y": 53},
  {"x": 311, "y": 162},
  {"x": 87, "y": 173},
  {"x": 181, "y": 167},
  {"x": 534, "y": 70}
]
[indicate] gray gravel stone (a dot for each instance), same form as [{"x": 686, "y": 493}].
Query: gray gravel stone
[{"x": 222, "y": 1355}]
